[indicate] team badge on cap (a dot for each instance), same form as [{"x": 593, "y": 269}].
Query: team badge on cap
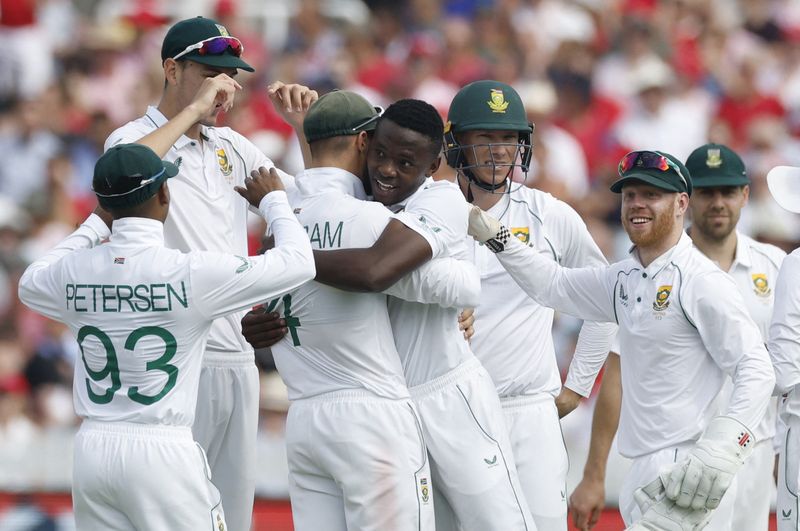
[
  {"x": 222, "y": 31},
  {"x": 713, "y": 158},
  {"x": 761, "y": 285},
  {"x": 662, "y": 298},
  {"x": 523, "y": 233},
  {"x": 497, "y": 101}
]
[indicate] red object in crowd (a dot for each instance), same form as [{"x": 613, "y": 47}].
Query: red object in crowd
[
  {"x": 17, "y": 13},
  {"x": 738, "y": 114}
]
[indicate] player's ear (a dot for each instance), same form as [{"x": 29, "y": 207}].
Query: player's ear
[
  {"x": 683, "y": 202},
  {"x": 163, "y": 194},
  {"x": 746, "y": 193},
  {"x": 434, "y": 167},
  {"x": 171, "y": 71},
  {"x": 362, "y": 141}
]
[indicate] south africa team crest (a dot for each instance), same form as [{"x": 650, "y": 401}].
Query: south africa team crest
[
  {"x": 761, "y": 285},
  {"x": 224, "y": 164},
  {"x": 662, "y": 298},
  {"x": 523, "y": 233},
  {"x": 424, "y": 490},
  {"x": 497, "y": 102}
]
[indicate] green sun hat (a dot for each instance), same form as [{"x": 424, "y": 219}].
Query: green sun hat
[
  {"x": 716, "y": 165},
  {"x": 339, "y": 113},
  {"x": 184, "y": 41},
  {"x": 655, "y": 168}
]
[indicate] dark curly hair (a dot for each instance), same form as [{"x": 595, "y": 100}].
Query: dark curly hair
[{"x": 418, "y": 116}]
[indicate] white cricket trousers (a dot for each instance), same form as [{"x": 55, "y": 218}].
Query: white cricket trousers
[
  {"x": 789, "y": 477},
  {"x": 472, "y": 462},
  {"x": 129, "y": 477},
  {"x": 645, "y": 469},
  {"x": 226, "y": 426},
  {"x": 357, "y": 462},
  {"x": 541, "y": 456}
]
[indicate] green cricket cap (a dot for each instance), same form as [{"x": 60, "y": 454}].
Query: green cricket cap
[
  {"x": 339, "y": 113},
  {"x": 194, "y": 31},
  {"x": 655, "y": 168},
  {"x": 128, "y": 175},
  {"x": 716, "y": 165}
]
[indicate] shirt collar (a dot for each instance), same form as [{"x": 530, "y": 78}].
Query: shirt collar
[
  {"x": 743, "y": 256},
  {"x": 318, "y": 180},
  {"x": 399, "y": 207},
  {"x": 137, "y": 232},
  {"x": 655, "y": 267},
  {"x": 160, "y": 120}
]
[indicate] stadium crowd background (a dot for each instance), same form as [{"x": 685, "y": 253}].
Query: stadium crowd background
[{"x": 598, "y": 77}]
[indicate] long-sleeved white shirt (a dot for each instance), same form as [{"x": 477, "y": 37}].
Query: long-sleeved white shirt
[
  {"x": 142, "y": 312},
  {"x": 682, "y": 327},
  {"x": 513, "y": 333},
  {"x": 340, "y": 340},
  {"x": 206, "y": 213},
  {"x": 784, "y": 333}
]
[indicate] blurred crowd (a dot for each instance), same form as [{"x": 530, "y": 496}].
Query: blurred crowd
[{"x": 598, "y": 78}]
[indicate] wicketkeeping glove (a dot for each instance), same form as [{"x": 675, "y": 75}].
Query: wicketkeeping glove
[
  {"x": 487, "y": 230},
  {"x": 704, "y": 476},
  {"x": 659, "y": 513}
]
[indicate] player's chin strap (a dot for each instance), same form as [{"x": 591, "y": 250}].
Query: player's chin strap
[{"x": 491, "y": 188}]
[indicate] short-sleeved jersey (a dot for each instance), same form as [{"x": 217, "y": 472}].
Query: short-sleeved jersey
[
  {"x": 513, "y": 333},
  {"x": 337, "y": 340},
  {"x": 206, "y": 213},
  {"x": 755, "y": 271},
  {"x": 141, "y": 312},
  {"x": 682, "y": 327},
  {"x": 427, "y": 335}
]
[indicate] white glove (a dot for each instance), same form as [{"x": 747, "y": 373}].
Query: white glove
[
  {"x": 659, "y": 513},
  {"x": 485, "y": 229},
  {"x": 704, "y": 476}
]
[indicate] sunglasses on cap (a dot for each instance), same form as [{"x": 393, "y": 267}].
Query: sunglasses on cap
[
  {"x": 215, "y": 46},
  {"x": 142, "y": 184},
  {"x": 378, "y": 110},
  {"x": 649, "y": 160}
]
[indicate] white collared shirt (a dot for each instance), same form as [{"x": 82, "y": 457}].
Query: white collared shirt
[
  {"x": 343, "y": 340},
  {"x": 682, "y": 327},
  {"x": 142, "y": 312},
  {"x": 755, "y": 271},
  {"x": 206, "y": 213},
  {"x": 513, "y": 333}
]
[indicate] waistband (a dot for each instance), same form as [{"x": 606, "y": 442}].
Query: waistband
[
  {"x": 519, "y": 401},
  {"x": 228, "y": 359},
  {"x": 349, "y": 395},
  {"x": 135, "y": 429},
  {"x": 449, "y": 378}
]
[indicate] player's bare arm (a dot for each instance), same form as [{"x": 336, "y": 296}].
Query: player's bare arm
[
  {"x": 398, "y": 251},
  {"x": 292, "y": 102},
  {"x": 215, "y": 94},
  {"x": 588, "y": 499}
]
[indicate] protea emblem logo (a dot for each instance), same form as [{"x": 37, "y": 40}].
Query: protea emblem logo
[
  {"x": 662, "y": 298},
  {"x": 498, "y": 101}
]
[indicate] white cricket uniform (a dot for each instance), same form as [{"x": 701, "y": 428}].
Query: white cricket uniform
[
  {"x": 206, "y": 214},
  {"x": 784, "y": 348},
  {"x": 514, "y": 342},
  {"x": 755, "y": 271},
  {"x": 356, "y": 450},
  {"x": 472, "y": 460},
  {"x": 682, "y": 326},
  {"x": 141, "y": 314}
]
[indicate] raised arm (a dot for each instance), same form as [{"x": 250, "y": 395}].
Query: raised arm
[
  {"x": 585, "y": 293},
  {"x": 38, "y": 287}
]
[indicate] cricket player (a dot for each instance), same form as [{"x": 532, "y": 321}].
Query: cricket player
[
  {"x": 141, "y": 313},
  {"x": 721, "y": 190},
  {"x": 471, "y": 459},
  {"x": 488, "y": 136},
  {"x": 200, "y": 61},
  {"x": 356, "y": 450},
  {"x": 677, "y": 343},
  {"x": 784, "y": 348}
]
